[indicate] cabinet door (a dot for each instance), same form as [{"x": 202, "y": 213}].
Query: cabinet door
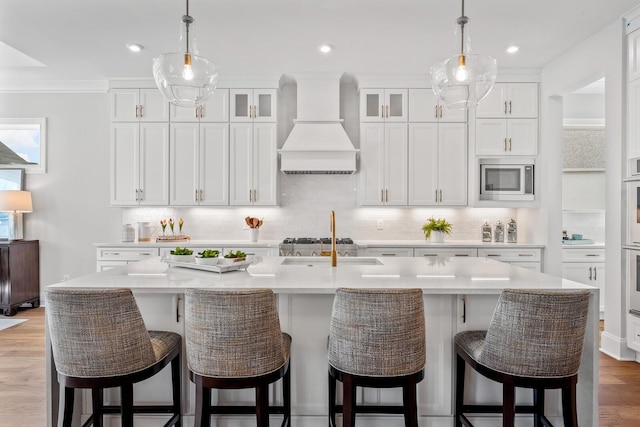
[
  {"x": 633, "y": 130},
  {"x": 633, "y": 58},
  {"x": 371, "y": 164},
  {"x": 183, "y": 172},
  {"x": 124, "y": 105},
  {"x": 241, "y": 101},
  {"x": 452, "y": 163},
  {"x": 522, "y": 100},
  {"x": 240, "y": 163},
  {"x": 125, "y": 156},
  {"x": 494, "y": 104},
  {"x": 395, "y": 105},
  {"x": 183, "y": 114},
  {"x": 598, "y": 280},
  {"x": 265, "y": 164},
  {"x": 423, "y": 106},
  {"x": 265, "y": 105},
  {"x": 214, "y": 164},
  {"x": 423, "y": 164},
  {"x": 216, "y": 109},
  {"x": 154, "y": 107},
  {"x": 396, "y": 174},
  {"x": 154, "y": 164},
  {"x": 587, "y": 273},
  {"x": 453, "y": 115},
  {"x": 372, "y": 105},
  {"x": 491, "y": 137},
  {"x": 522, "y": 137}
]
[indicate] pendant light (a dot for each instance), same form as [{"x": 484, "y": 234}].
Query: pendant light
[
  {"x": 465, "y": 78},
  {"x": 183, "y": 77}
]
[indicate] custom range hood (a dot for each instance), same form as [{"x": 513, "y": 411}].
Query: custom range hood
[{"x": 318, "y": 144}]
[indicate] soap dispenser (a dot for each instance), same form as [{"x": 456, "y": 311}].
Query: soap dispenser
[
  {"x": 512, "y": 231},
  {"x": 498, "y": 232},
  {"x": 486, "y": 232}
]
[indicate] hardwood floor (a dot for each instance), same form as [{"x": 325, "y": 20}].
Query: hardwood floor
[{"x": 22, "y": 379}]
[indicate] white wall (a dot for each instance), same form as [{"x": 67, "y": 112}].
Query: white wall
[
  {"x": 602, "y": 55},
  {"x": 71, "y": 200}
]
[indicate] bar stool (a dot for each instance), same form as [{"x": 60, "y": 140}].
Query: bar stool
[
  {"x": 534, "y": 340},
  {"x": 376, "y": 339},
  {"x": 99, "y": 341},
  {"x": 234, "y": 341}
]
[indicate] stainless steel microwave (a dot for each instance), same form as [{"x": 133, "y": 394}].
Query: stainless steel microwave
[
  {"x": 505, "y": 179},
  {"x": 634, "y": 166}
]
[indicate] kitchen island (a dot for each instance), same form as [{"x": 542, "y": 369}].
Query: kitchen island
[{"x": 459, "y": 294}]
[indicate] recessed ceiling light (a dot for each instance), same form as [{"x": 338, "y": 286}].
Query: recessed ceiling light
[
  {"x": 513, "y": 49},
  {"x": 325, "y": 48},
  {"x": 135, "y": 47}
]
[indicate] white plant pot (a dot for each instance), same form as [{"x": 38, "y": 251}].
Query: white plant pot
[
  {"x": 437, "y": 237},
  {"x": 254, "y": 232}
]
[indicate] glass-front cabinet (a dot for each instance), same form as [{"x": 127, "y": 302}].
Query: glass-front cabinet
[
  {"x": 383, "y": 105},
  {"x": 253, "y": 105}
]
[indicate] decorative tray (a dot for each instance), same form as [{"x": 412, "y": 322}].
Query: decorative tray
[
  {"x": 176, "y": 238},
  {"x": 214, "y": 268}
]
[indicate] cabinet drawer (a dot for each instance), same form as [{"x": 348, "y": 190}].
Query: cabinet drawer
[
  {"x": 126, "y": 254},
  {"x": 508, "y": 255},
  {"x": 424, "y": 252},
  {"x": 382, "y": 252},
  {"x": 582, "y": 255}
]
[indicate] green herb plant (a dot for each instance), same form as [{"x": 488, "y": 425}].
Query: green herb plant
[
  {"x": 209, "y": 253},
  {"x": 181, "y": 251},
  {"x": 236, "y": 254},
  {"x": 433, "y": 224}
]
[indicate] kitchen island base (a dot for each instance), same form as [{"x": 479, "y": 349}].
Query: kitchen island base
[{"x": 451, "y": 305}]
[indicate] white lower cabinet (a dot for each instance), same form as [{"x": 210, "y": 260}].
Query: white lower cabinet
[
  {"x": 437, "y": 164},
  {"x": 386, "y": 252},
  {"x": 585, "y": 266},
  {"x": 253, "y": 162},
  {"x": 199, "y": 164},
  {"x": 528, "y": 258},
  {"x": 108, "y": 258},
  {"x": 447, "y": 252}
]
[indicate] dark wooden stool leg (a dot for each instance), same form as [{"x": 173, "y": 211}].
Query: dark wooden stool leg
[
  {"x": 538, "y": 404},
  {"x": 569, "y": 409},
  {"x": 65, "y": 409},
  {"x": 286, "y": 396},
  {"x": 176, "y": 383},
  {"x": 410, "y": 405},
  {"x": 332, "y": 400},
  {"x": 97, "y": 399},
  {"x": 508, "y": 403},
  {"x": 126, "y": 401},
  {"x": 262, "y": 405},
  {"x": 203, "y": 404},
  {"x": 348, "y": 401},
  {"x": 460, "y": 366}
]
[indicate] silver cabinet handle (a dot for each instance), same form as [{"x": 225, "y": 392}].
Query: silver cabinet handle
[
  {"x": 382, "y": 195},
  {"x": 592, "y": 255},
  {"x": 137, "y": 115},
  {"x": 201, "y": 196},
  {"x": 461, "y": 255},
  {"x": 382, "y": 111},
  {"x": 509, "y": 107},
  {"x": 250, "y": 196},
  {"x": 111, "y": 253},
  {"x": 494, "y": 255},
  {"x": 255, "y": 196},
  {"x": 386, "y": 195},
  {"x": 440, "y": 111},
  {"x": 388, "y": 254},
  {"x": 387, "y": 111},
  {"x": 595, "y": 273},
  {"x": 141, "y": 195},
  {"x": 525, "y": 254},
  {"x": 505, "y": 107},
  {"x": 440, "y": 196},
  {"x": 141, "y": 114},
  {"x": 137, "y": 195},
  {"x": 177, "y": 308},
  {"x": 505, "y": 144},
  {"x": 590, "y": 273},
  {"x": 436, "y": 110},
  {"x": 144, "y": 254},
  {"x": 196, "y": 195},
  {"x": 436, "y": 195},
  {"x": 509, "y": 144},
  {"x": 429, "y": 254}
]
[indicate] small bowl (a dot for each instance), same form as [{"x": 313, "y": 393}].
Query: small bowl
[
  {"x": 207, "y": 261},
  {"x": 576, "y": 236},
  {"x": 230, "y": 261},
  {"x": 181, "y": 258}
]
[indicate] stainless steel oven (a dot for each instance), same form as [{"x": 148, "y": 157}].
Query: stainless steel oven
[{"x": 506, "y": 179}]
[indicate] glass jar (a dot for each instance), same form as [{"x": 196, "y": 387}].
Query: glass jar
[
  {"x": 498, "y": 232},
  {"x": 512, "y": 231},
  {"x": 128, "y": 233},
  {"x": 486, "y": 232}
]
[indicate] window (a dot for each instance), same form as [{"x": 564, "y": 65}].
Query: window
[
  {"x": 10, "y": 179},
  {"x": 23, "y": 143}
]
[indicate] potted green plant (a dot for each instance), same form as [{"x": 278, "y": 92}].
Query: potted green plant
[
  {"x": 435, "y": 229},
  {"x": 208, "y": 257},
  {"x": 182, "y": 255}
]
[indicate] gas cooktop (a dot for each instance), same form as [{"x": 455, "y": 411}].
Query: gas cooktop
[{"x": 313, "y": 246}]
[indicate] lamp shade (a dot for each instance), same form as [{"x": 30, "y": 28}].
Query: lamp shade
[{"x": 15, "y": 201}]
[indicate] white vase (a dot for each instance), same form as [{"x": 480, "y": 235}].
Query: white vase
[
  {"x": 437, "y": 237},
  {"x": 254, "y": 234}
]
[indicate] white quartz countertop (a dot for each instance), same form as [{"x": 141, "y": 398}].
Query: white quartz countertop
[{"x": 439, "y": 275}]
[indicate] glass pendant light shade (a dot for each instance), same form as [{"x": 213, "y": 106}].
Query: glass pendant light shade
[
  {"x": 185, "y": 78},
  {"x": 464, "y": 78}
]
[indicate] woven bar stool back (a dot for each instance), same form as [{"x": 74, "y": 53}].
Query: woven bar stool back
[
  {"x": 535, "y": 340},
  {"x": 376, "y": 339},
  {"x": 234, "y": 341},
  {"x": 99, "y": 340}
]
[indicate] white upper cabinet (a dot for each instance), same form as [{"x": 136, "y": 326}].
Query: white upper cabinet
[
  {"x": 383, "y": 105},
  {"x": 216, "y": 109},
  {"x": 512, "y": 100},
  {"x": 437, "y": 164},
  {"x": 633, "y": 44},
  {"x": 383, "y": 164},
  {"x": 138, "y": 105},
  {"x": 495, "y": 137},
  {"x": 253, "y": 160},
  {"x": 199, "y": 164},
  {"x": 253, "y": 105},
  {"x": 140, "y": 164},
  {"x": 424, "y": 107}
]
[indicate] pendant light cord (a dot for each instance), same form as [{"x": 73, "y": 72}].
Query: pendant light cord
[
  {"x": 187, "y": 22},
  {"x": 461, "y": 21}
]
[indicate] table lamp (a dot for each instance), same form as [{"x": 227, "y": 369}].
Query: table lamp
[{"x": 15, "y": 202}]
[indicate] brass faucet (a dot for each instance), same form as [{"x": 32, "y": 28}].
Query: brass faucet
[{"x": 334, "y": 253}]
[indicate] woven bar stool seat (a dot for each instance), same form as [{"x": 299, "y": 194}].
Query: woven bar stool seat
[
  {"x": 99, "y": 340},
  {"x": 535, "y": 341},
  {"x": 234, "y": 341},
  {"x": 376, "y": 339}
]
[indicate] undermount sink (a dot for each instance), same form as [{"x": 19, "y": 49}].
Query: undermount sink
[{"x": 325, "y": 260}]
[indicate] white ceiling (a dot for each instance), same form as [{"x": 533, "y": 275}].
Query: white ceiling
[{"x": 87, "y": 39}]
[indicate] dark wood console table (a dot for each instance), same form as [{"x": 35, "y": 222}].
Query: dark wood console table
[{"x": 19, "y": 275}]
